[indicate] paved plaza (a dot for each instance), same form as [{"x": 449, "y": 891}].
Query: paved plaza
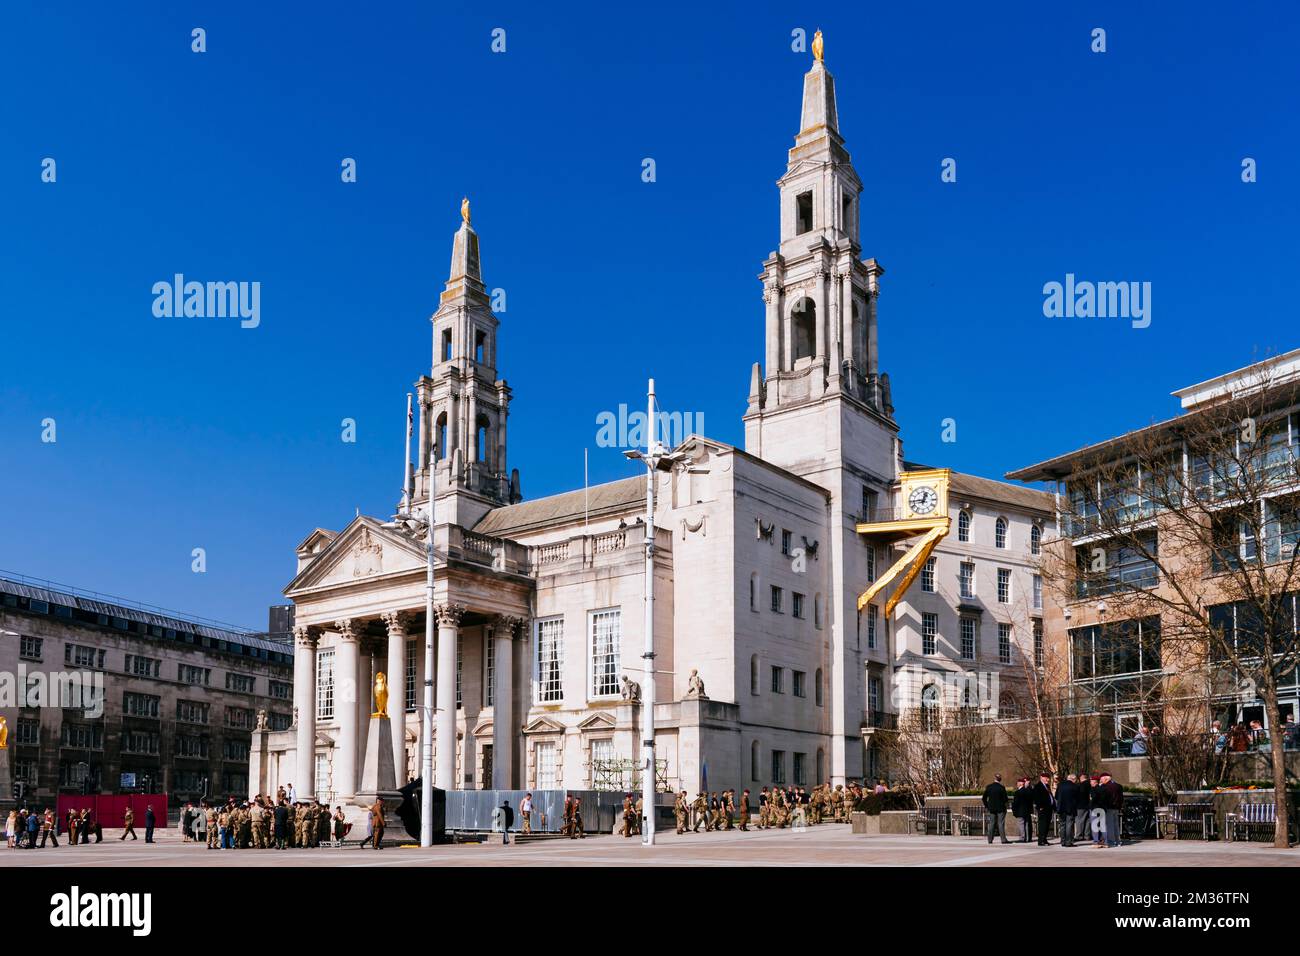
[{"x": 826, "y": 845}]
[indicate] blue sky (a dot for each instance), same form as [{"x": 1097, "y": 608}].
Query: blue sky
[{"x": 182, "y": 433}]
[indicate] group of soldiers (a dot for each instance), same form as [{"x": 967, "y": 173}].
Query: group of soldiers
[
  {"x": 778, "y": 808},
  {"x": 262, "y": 823}
]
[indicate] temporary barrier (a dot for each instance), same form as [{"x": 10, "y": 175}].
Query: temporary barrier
[{"x": 108, "y": 810}]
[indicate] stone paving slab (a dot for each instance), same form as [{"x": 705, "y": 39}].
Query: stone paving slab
[{"x": 826, "y": 845}]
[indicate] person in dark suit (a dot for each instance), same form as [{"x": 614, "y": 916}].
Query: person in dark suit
[
  {"x": 995, "y": 804},
  {"x": 1114, "y": 804},
  {"x": 1067, "y": 805},
  {"x": 1022, "y": 808},
  {"x": 1081, "y": 812},
  {"x": 150, "y": 821},
  {"x": 1044, "y": 804}
]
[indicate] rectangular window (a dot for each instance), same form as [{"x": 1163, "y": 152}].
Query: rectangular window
[
  {"x": 29, "y": 731},
  {"x": 191, "y": 712},
  {"x": 191, "y": 745},
  {"x": 1038, "y": 591},
  {"x": 1004, "y": 643},
  {"x": 139, "y": 742},
  {"x": 777, "y": 599},
  {"x": 489, "y": 670},
  {"x": 871, "y": 562},
  {"x": 1038, "y": 642},
  {"x": 141, "y": 705},
  {"x": 606, "y": 647},
  {"x": 242, "y": 683},
  {"x": 927, "y": 576},
  {"x": 796, "y": 604},
  {"x": 545, "y": 757},
  {"x": 1105, "y": 567},
  {"x": 325, "y": 685},
  {"x": 785, "y": 541},
  {"x": 281, "y": 690},
  {"x": 869, "y": 498},
  {"x": 323, "y": 777},
  {"x": 803, "y": 211},
  {"x": 29, "y": 648},
  {"x": 966, "y": 579},
  {"x": 83, "y": 736},
  {"x": 446, "y": 345},
  {"x": 1004, "y": 586},
  {"x": 800, "y": 769},
  {"x": 235, "y": 750},
  {"x": 143, "y": 666},
  {"x": 240, "y": 718},
  {"x": 778, "y": 680},
  {"x": 929, "y": 632},
  {"x": 193, "y": 674},
  {"x": 797, "y": 683},
  {"x": 78, "y": 655},
  {"x": 279, "y": 721},
  {"x": 871, "y": 627},
  {"x": 968, "y": 630},
  {"x": 873, "y": 700},
  {"x": 549, "y": 661},
  {"x": 602, "y": 761},
  {"x": 778, "y": 766},
  {"x": 410, "y": 676}
]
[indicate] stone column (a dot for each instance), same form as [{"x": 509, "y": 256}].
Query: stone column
[
  {"x": 823, "y": 317},
  {"x": 304, "y": 709},
  {"x": 345, "y": 706},
  {"x": 835, "y": 329},
  {"x": 770, "y": 297},
  {"x": 397, "y": 622},
  {"x": 426, "y": 440},
  {"x": 846, "y": 319},
  {"x": 449, "y": 617},
  {"x": 503, "y": 631}
]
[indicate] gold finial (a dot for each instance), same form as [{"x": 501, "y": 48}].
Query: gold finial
[
  {"x": 464, "y": 209},
  {"x": 818, "y": 46}
]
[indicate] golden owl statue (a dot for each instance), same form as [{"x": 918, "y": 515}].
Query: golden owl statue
[
  {"x": 381, "y": 695},
  {"x": 4, "y": 734},
  {"x": 464, "y": 209},
  {"x": 818, "y": 45}
]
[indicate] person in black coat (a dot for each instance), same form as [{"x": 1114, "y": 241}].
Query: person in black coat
[
  {"x": 281, "y": 825},
  {"x": 995, "y": 804},
  {"x": 1022, "y": 808},
  {"x": 1067, "y": 804},
  {"x": 1081, "y": 812},
  {"x": 1044, "y": 804},
  {"x": 150, "y": 821}
]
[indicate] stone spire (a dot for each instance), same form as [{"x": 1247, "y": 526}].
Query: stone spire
[
  {"x": 818, "y": 93},
  {"x": 466, "y": 273}
]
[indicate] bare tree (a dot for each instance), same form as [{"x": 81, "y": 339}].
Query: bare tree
[
  {"x": 935, "y": 751},
  {"x": 1182, "y": 754},
  {"x": 1062, "y": 731},
  {"x": 1187, "y": 532}
]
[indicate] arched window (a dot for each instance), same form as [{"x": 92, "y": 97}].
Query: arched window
[
  {"x": 1035, "y": 540},
  {"x": 803, "y": 318},
  {"x": 753, "y": 761},
  {"x": 753, "y": 674},
  {"x": 963, "y": 526},
  {"x": 817, "y": 691},
  {"x": 930, "y": 707},
  {"x": 442, "y": 437},
  {"x": 1000, "y": 533}
]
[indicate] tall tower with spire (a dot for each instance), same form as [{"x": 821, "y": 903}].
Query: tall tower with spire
[
  {"x": 820, "y": 296},
  {"x": 819, "y": 406},
  {"x": 463, "y": 405}
]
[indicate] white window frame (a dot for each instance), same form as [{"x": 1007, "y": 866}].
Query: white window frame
[
  {"x": 1000, "y": 529},
  {"x": 553, "y": 691},
  {"x": 325, "y": 684},
  {"x": 930, "y": 623},
  {"x": 927, "y": 574},
  {"x": 544, "y": 769},
  {"x": 604, "y": 662},
  {"x": 1004, "y": 585},
  {"x": 966, "y": 583},
  {"x": 969, "y": 637},
  {"x": 1004, "y": 643}
]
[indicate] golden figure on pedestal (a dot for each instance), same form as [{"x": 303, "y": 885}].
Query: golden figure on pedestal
[
  {"x": 381, "y": 695},
  {"x": 464, "y": 209},
  {"x": 818, "y": 46},
  {"x": 4, "y": 734}
]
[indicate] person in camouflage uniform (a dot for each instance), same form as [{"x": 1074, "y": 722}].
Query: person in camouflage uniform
[
  {"x": 681, "y": 810},
  {"x": 701, "y": 810},
  {"x": 744, "y": 811}
]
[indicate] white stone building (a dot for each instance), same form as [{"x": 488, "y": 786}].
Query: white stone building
[{"x": 759, "y": 564}]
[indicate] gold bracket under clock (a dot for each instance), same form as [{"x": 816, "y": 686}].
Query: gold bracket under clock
[{"x": 924, "y": 511}]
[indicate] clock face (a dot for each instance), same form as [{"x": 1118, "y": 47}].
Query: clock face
[{"x": 923, "y": 500}]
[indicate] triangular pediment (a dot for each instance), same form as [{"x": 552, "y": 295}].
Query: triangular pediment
[
  {"x": 544, "y": 725},
  {"x": 364, "y": 549},
  {"x": 600, "y": 720}
]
